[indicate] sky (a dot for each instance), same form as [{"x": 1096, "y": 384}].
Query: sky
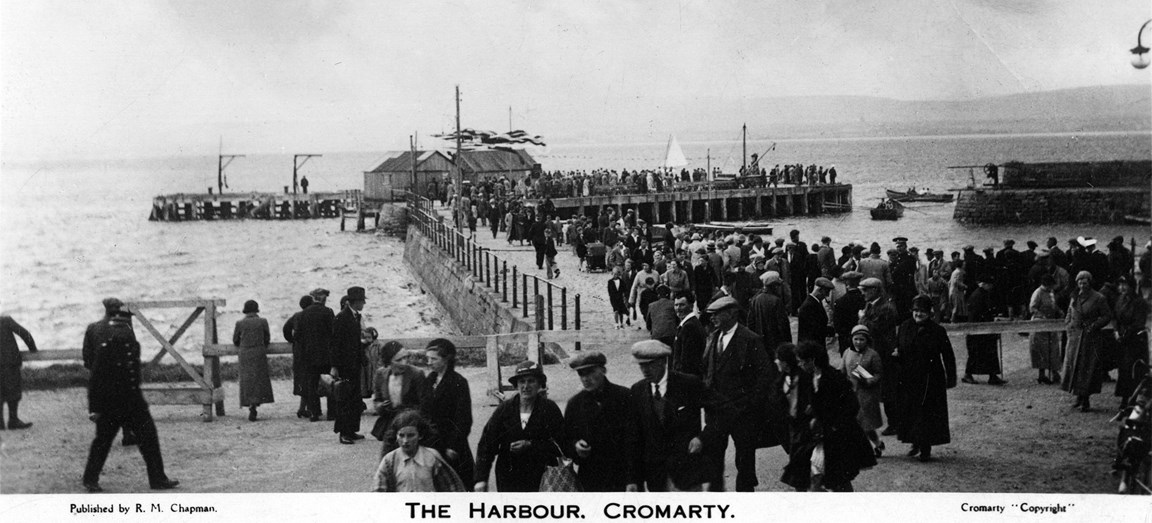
[{"x": 125, "y": 79}]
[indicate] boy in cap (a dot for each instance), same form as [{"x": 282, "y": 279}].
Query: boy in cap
[
  {"x": 812, "y": 319},
  {"x": 667, "y": 404},
  {"x": 600, "y": 428}
]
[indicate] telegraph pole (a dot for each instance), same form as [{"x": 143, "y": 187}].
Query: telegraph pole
[
  {"x": 459, "y": 163},
  {"x": 297, "y": 164}
]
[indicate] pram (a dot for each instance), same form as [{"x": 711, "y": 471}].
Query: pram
[{"x": 597, "y": 257}]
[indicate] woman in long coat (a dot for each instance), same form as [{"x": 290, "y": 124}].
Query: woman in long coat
[
  {"x": 866, "y": 382},
  {"x": 446, "y": 402},
  {"x": 840, "y": 449},
  {"x": 521, "y": 436},
  {"x": 1044, "y": 347},
  {"x": 252, "y": 336},
  {"x": 1088, "y": 313},
  {"x": 927, "y": 371},
  {"x": 1131, "y": 315}
]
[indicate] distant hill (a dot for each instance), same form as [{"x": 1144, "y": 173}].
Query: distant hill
[{"x": 1087, "y": 109}]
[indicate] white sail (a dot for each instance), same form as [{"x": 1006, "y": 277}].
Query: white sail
[{"x": 673, "y": 156}]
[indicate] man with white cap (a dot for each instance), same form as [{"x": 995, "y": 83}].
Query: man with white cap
[
  {"x": 600, "y": 428},
  {"x": 739, "y": 369},
  {"x": 812, "y": 319},
  {"x": 767, "y": 315},
  {"x": 667, "y": 404},
  {"x": 881, "y": 318}
]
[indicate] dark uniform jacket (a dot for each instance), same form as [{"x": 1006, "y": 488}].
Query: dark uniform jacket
[
  {"x": 607, "y": 421},
  {"x": 114, "y": 386}
]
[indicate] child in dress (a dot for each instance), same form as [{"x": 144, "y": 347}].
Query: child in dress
[{"x": 413, "y": 467}]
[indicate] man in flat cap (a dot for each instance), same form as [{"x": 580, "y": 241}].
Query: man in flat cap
[
  {"x": 670, "y": 455},
  {"x": 600, "y": 428},
  {"x": 92, "y": 339},
  {"x": 812, "y": 318},
  {"x": 767, "y": 315},
  {"x": 781, "y": 267},
  {"x": 797, "y": 268},
  {"x": 115, "y": 399},
  {"x": 346, "y": 357},
  {"x": 846, "y": 310},
  {"x": 738, "y": 368},
  {"x": 873, "y": 266},
  {"x": 826, "y": 257},
  {"x": 881, "y": 318},
  {"x": 903, "y": 286},
  {"x": 314, "y": 334}
]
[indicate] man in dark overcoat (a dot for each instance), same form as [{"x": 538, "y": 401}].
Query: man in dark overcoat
[
  {"x": 881, "y": 318},
  {"x": 846, "y": 310},
  {"x": 346, "y": 356},
  {"x": 797, "y": 268},
  {"x": 299, "y": 367},
  {"x": 11, "y": 381},
  {"x": 812, "y": 318},
  {"x": 314, "y": 333},
  {"x": 740, "y": 370},
  {"x": 767, "y": 315},
  {"x": 115, "y": 399},
  {"x": 600, "y": 428},
  {"x": 670, "y": 453},
  {"x": 927, "y": 370}
]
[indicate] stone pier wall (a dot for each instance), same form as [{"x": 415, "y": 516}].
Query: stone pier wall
[
  {"x": 474, "y": 308},
  {"x": 1004, "y": 206}
]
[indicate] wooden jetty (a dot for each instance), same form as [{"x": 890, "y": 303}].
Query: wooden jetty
[
  {"x": 261, "y": 206},
  {"x": 704, "y": 202}
]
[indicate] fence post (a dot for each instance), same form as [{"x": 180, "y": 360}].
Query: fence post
[
  {"x": 525, "y": 299},
  {"x": 488, "y": 268},
  {"x": 536, "y": 285},
  {"x": 550, "y": 306},
  {"x": 515, "y": 296},
  {"x": 576, "y": 312},
  {"x": 505, "y": 292},
  {"x": 539, "y": 327},
  {"x": 563, "y": 308}
]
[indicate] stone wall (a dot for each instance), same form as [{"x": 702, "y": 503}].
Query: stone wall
[
  {"x": 473, "y": 307},
  {"x": 1004, "y": 206}
]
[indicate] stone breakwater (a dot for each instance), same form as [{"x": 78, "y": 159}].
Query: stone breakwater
[{"x": 1065, "y": 205}]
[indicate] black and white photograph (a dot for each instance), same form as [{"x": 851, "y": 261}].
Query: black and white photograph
[{"x": 642, "y": 256}]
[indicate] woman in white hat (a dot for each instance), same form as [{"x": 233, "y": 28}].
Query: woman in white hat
[
  {"x": 1088, "y": 313},
  {"x": 863, "y": 367}
]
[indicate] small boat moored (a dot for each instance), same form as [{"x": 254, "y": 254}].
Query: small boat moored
[
  {"x": 912, "y": 195},
  {"x": 888, "y": 209}
]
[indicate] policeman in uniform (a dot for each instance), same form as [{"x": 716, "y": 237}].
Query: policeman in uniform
[{"x": 115, "y": 400}]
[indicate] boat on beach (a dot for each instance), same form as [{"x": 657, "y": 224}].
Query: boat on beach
[
  {"x": 736, "y": 227},
  {"x": 888, "y": 209},
  {"x": 912, "y": 195}
]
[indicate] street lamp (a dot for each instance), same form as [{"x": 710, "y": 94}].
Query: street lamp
[{"x": 1140, "y": 53}]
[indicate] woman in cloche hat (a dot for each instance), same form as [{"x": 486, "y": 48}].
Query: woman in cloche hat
[{"x": 521, "y": 436}]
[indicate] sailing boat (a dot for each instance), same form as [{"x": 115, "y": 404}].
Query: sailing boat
[{"x": 673, "y": 156}]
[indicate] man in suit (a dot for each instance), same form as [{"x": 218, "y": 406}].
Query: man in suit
[
  {"x": 881, "y": 318},
  {"x": 767, "y": 315},
  {"x": 662, "y": 317},
  {"x": 600, "y": 428},
  {"x": 780, "y": 266},
  {"x": 667, "y": 405},
  {"x": 812, "y": 317},
  {"x": 740, "y": 370},
  {"x": 115, "y": 399},
  {"x": 347, "y": 359},
  {"x": 797, "y": 267},
  {"x": 688, "y": 349},
  {"x": 314, "y": 333}
]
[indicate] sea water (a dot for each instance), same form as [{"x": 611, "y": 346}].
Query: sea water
[{"x": 73, "y": 232}]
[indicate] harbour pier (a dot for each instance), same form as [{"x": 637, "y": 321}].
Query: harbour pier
[
  {"x": 721, "y": 201},
  {"x": 255, "y": 205}
]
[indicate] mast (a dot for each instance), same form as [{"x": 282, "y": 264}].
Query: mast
[
  {"x": 296, "y": 165},
  {"x": 744, "y": 170},
  {"x": 708, "y": 173}
]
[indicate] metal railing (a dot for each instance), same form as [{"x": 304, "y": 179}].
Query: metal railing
[{"x": 493, "y": 271}]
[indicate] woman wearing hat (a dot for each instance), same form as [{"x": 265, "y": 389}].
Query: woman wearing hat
[
  {"x": 1088, "y": 313},
  {"x": 863, "y": 367},
  {"x": 927, "y": 368},
  {"x": 252, "y": 336},
  {"x": 522, "y": 437},
  {"x": 1044, "y": 347},
  {"x": 1131, "y": 316}
]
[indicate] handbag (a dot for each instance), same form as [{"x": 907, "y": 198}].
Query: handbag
[{"x": 560, "y": 477}]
